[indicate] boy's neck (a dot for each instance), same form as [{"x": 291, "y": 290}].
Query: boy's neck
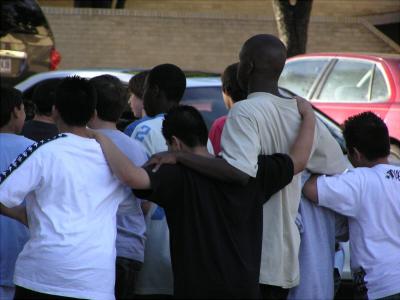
[
  {"x": 373, "y": 163},
  {"x": 101, "y": 124},
  {"x": 200, "y": 150},
  {"x": 9, "y": 128},
  {"x": 77, "y": 130},
  {"x": 44, "y": 119},
  {"x": 262, "y": 86}
]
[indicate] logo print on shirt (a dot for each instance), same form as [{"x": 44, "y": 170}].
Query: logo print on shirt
[
  {"x": 142, "y": 132},
  {"x": 393, "y": 174},
  {"x": 158, "y": 214},
  {"x": 23, "y": 156}
]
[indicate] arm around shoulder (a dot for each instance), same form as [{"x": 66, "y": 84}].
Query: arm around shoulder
[
  {"x": 301, "y": 149},
  {"x": 310, "y": 189}
]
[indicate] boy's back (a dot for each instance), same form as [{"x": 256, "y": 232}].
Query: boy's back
[
  {"x": 370, "y": 197},
  {"x": 72, "y": 203},
  {"x": 216, "y": 228}
]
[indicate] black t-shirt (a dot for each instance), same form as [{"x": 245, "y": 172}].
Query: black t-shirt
[
  {"x": 37, "y": 130},
  {"x": 215, "y": 227}
]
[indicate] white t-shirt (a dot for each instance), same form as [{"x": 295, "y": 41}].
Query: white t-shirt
[
  {"x": 266, "y": 124},
  {"x": 150, "y": 135},
  {"x": 155, "y": 277},
  {"x": 370, "y": 197},
  {"x": 72, "y": 199}
]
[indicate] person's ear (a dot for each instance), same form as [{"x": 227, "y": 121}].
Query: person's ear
[
  {"x": 92, "y": 119},
  {"x": 176, "y": 143},
  {"x": 55, "y": 113},
  {"x": 250, "y": 67},
  {"x": 357, "y": 154},
  {"x": 94, "y": 116},
  {"x": 14, "y": 113}
]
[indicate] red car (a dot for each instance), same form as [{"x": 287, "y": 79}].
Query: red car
[{"x": 344, "y": 84}]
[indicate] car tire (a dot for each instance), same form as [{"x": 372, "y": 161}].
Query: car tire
[{"x": 394, "y": 157}]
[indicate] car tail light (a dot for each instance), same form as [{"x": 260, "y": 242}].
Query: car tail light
[{"x": 55, "y": 59}]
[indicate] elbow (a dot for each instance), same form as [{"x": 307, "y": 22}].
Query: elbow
[
  {"x": 241, "y": 178},
  {"x": 299, "y": 166},
  {"x": 310, "y": 190},
  {"x": 244, "y": 180}
]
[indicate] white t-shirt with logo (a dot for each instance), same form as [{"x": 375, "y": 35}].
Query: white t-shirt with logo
[
  {"x": 267, "y": 124},
  {"x": 370, "y": 197},
  {"x": 149, "y": 134},
  {"x": 155, "y": 277},
  {"x": 72, "y": 199}
]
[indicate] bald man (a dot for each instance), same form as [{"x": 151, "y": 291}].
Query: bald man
[{"x": 266, "y": 123}]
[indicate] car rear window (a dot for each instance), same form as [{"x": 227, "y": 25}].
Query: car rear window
[
  {"x": 208, "y": 100},
  {"x": 22, "y": 16}
]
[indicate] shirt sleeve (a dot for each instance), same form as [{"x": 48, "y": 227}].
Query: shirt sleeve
[
  {"x": 20, "y": 178},
  {"x": 274, "y": 173},
  {"x": 166, "y": 185},
  {"x": 327, "y": 156},
  {"x": 240, "y": 143},
  {"x": 341, "y": 193}
]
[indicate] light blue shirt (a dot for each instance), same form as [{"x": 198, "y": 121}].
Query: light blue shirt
[
  {"x": 13, "y": 235},
  {"x": 131, "y": 226},
  {"x": 319, "y": 228}
]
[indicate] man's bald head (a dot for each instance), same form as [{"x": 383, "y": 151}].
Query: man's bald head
[{"x": 266, "y": 51}]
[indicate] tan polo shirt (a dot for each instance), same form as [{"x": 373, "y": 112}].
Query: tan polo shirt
[{"x": 266, "y": 124}]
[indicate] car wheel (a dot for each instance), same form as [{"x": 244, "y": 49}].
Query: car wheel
[{"x": 394, "y": 157}]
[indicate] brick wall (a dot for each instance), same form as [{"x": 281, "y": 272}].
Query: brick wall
[
  {"x": 252, "y": 7},
  {"x": 206, "y": 42}
]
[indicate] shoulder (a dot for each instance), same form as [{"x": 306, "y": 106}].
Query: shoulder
[
  {"x": 150, "y": 122},
  {"x": 149, "y": 128},
  {"x": 134, "y": 124},
  {"x": 218, "y": 123},
  {"x": 33, "y": 150}
]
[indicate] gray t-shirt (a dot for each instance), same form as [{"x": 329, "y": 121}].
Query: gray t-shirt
[{"x": 131, "y": 227}]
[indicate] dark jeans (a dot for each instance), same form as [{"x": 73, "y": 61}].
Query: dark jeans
[
  {"x": 22, "y": 293},
  {"x": 273, "y": 292},
  {"x": 126, "y": 271}
]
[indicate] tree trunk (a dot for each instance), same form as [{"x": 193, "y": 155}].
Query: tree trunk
[
  {"x": 99, "y": 3},
  {"x": 292, "y": 19}
]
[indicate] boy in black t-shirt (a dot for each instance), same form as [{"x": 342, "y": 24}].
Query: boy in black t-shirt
[
  {"x": 215, "y": 227},
  {"x": 43, "y": 124}
]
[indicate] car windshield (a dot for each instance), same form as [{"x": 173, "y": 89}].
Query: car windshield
[{"x": 21, "y": 16}]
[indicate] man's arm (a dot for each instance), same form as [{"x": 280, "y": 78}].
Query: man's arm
[
  {"x": 301, "y": 149},
  {"x": 216, "y": 168},
  {"x": 121, "y": 166},
  {"x": 310, "y": 189},
  {"x": 17, "y": 213}
]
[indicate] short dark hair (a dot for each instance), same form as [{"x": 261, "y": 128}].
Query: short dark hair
[
  {"x": 230, "y": 84},
  {"x": 187, "y": 124},
  {"x": 368, "y": 134},
  {"x": 10, "y": 98},
  {"x": 111, "y": 97},
  {"x": 170, "y": 79},
  {"x": 75, "y": 100},
  {"x": 44, "y": 96},
  {"x": 136, "y": 84}
]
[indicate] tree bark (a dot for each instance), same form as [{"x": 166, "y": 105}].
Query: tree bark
[{"x": 292, "y": 19}]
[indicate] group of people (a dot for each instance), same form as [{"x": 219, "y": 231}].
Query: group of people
[{"x": 166, "y": 209}]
